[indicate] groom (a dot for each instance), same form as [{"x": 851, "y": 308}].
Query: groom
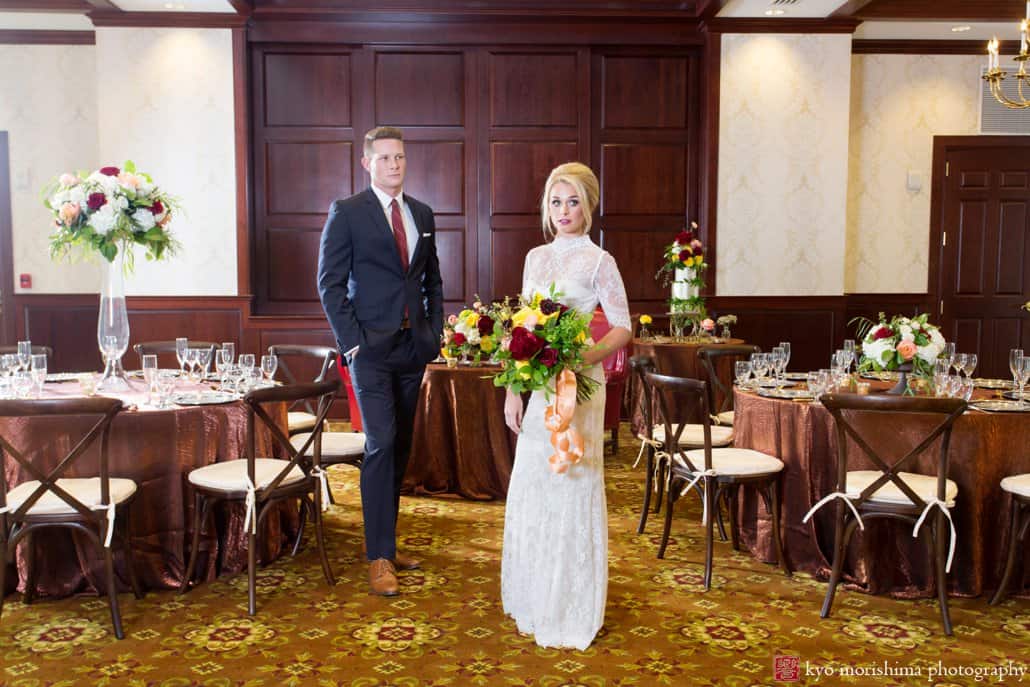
[{"x": 379, "y": 280}]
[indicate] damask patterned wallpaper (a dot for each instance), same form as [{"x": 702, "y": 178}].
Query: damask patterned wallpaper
[
  {"x": 783, "y": 147},
  {"x": 48, "y": 107},
  {"x": 165, "y": 101},
  {"x": 899, "y": 103}
]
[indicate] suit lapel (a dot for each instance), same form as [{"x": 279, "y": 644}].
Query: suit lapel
[
  {"x": 419, "y": 247},
  {"x": 383, "y": 230}
]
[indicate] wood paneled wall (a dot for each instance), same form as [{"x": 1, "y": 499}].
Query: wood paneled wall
[{"x": 483, "y": 127}]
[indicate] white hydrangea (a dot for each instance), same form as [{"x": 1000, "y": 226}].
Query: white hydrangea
[
  {"x": 107, "y": 184},
  {"x": 104, "y": 219},
  {"x": 143, "y": 218},
  {"x": 119, "y": 202},
  {"x": 875, "y": 349},
  {"x": 77, "y": 194},
  {"x": 59, "y": 199},
  {"x": 906, "y": 333}
]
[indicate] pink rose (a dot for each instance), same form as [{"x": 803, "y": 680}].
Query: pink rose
[
  {"x": 906, "y": 349},
  {"x": 708, "y": 324},
  {"x": 452, "y": 320},
  {"x": 530, "y": 322},
  {"x": 69, "y": 180},
  {"x": 68, "y": 212},
  {"x": 129, "y": 180}
]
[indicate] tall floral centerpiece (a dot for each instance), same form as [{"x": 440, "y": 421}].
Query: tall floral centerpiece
[
  {"x": 683, "y": 270},
  {"x": 107, "y": 212},
  {"x": 904, "y": 344}
]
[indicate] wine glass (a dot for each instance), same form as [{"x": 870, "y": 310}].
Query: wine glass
[
  {"x": 742, "y": 371},
  {"x": 760, "y": 364},
  {"x": 38, "y": 364},
  {"x": 203, "y": 361},
  {"x": 149, "y": 373},
  {"x": 24, "y": 355},
  {"x": 959, "y": 362},
  {"x": 182, "y": 347},
  {"x": 970, "y": 365},
  {"x": 1015, "y": 355},
  {"x": 229, "y": 351},
  {"x": 246, "y": 362},
  {"x": 269, "y": 364},
  {"x": 948, "y": 353},
  {"x": 1022, "y": 376},
  {"x": 785, "y": 345}
]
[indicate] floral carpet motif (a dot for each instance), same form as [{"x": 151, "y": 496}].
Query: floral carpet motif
[{"x": 447, "y": 626}]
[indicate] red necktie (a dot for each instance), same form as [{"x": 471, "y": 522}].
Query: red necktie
[{"x": 398, "y": 233}]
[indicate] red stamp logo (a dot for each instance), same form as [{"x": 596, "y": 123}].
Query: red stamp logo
[{"x": 787, "y": 668}]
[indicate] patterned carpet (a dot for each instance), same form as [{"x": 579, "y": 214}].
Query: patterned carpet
[{"x": 447, "y": 627}]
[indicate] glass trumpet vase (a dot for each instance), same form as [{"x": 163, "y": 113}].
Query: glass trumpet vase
[{"x": 113, "y": 325}]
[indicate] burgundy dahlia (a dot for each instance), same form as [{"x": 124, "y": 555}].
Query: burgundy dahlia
[
  {"x": 485, "y": 325},
  {"x": 547, "y": 306},
  {"x": 95, "y": 201},
  {"x": 110, "y": 171},
  {"x": 548, "y": 356}
]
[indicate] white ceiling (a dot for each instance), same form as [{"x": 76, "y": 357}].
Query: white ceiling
[
  {"x": 174, "y": 5},
  {"x": 791, "y": 10}
]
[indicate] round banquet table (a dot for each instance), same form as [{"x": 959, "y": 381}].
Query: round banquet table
[
  {"x": 985, "y": 447},
  {"x": 157, "y": 449},
  {"x": 671, "y": 358},
  {"x": 461, "y": 445}
]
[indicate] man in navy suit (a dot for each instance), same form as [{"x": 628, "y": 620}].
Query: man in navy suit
[{"x": 379, "y": 280}]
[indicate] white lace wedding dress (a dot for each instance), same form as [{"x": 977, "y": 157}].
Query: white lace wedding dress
[{"x": 554, "y": 566}]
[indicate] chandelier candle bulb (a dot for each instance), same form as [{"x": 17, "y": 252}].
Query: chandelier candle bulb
[{"x": 1022, "y": 37}]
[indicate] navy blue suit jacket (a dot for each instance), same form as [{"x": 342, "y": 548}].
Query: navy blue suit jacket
[{"x": 364, "y": 288}]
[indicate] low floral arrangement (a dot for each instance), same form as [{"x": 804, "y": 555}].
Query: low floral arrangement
[
  {"x": 887, "y": 345},
  {"x": 470, "y": 333},
  {"x": 540, "y": 339},
  {"x": 726, "y": 320},
  {"x": 108, "y": 210},
  {"x": 684, "y": 268}
]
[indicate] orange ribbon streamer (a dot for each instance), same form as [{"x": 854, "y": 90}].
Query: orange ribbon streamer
[{"x": 567, "y": 442}]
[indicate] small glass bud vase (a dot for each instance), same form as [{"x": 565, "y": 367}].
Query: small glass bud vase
[
  {"x": 452, "y": 361},
  {"x": 477, "y": 359},
  {"x": 725, "y": 333},
  {"x": 644, "y": 334}
]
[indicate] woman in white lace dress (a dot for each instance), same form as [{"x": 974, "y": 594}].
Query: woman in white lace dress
[{"x": 554, "y": 568}]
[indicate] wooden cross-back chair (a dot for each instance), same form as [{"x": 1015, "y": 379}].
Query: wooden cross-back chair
[
  {"x": 301, "y": 414},
  {"x": 715, "y": 469},
  {"x": 260, "y": 482},
  {"x": 888, "y": 492},
  {"x": 720, "y": 394},
  {"x": 98, "y": 507}
]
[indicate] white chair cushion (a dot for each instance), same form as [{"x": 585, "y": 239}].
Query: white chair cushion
[
  {"x": 299, "y": 421},
  {"x": 86, "y": 490},
  {"x": 694, "y": 435},
  {"x": 725, "y": 418},
  {"x": 925, "y": 486},
  {"x": 232, "y": 474},
  {"x": 334, "y": 444},
  {"x": 1017, "y": 484},
  {"x": 738, "y": 462}
]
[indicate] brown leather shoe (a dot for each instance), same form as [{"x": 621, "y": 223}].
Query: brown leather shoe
[{"x": 382, "y": 578}]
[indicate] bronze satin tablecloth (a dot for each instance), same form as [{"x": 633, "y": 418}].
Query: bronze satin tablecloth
[
  {"x": 671, "y": 358},
  {"x": 157, "y": 449},
  {"x": 461, "y": 445},
  {"x": 985, "y": 447}
]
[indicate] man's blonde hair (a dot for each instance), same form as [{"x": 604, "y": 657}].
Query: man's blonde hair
[
  {"x": 580, "y": 177},
  {"x": 379, "y": 133}
]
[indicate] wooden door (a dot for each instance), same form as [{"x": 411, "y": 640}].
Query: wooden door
[{"x": 984, "y": 246}]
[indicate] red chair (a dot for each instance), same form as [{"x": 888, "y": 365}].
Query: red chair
[
  {"x": 615, "y": 373},
  {"x": 352, "y": 400}
]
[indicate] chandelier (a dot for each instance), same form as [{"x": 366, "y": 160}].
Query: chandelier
[{"x": 995, "y": 74}]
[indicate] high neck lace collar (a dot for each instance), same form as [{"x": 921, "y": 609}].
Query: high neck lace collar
[{"x": 563, "y": 243}]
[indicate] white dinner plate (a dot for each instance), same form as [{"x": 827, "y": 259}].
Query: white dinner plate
[
  {"x": 56, "y": 377},
  {"x": 999, "y": 406},
  {"x": 772, "y": 384},
  {"x": 796, "y": 376},
  {"x": 884, "y": 376},
  {"x": 202, "y": 398},
  {"x": 792, "y": 394},
  {"x": 982, "y": 383}
]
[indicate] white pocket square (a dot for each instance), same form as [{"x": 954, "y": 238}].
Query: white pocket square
[{"x": 426, "y": 236}]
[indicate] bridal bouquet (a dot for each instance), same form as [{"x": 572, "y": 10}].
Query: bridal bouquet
[
  {"x": 887, "y": 345},
  {"x": 539, "y": 340},
  {"x": 110, "y": 208}
]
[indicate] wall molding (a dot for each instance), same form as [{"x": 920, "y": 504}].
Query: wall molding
[
  {"x": 174, "y": 20},
  {"x": 733, "y": 25},
  {"x": 924, "y": 47},
  {"x": 45, "y": 37}
]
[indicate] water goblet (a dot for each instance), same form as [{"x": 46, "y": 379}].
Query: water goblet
[
  {"x": 941, "y": 366},
  {"x": 269, "y": 364},
  {"x": 760, "y": 364},
  {"x": 958, "y": 362},
  {"x": 742, "y": 371},
  {"x": 182, "y": 347},
  {"x": 948, "y": 352},
  {"x": 971, "y": 361},
  {"x": 247, "y": 361},
  {"x": 24, "y": 355},
  {"x": 964, "y": 389},
  {"x": 229, "y": 351},
  {"x": 203, "y": 361},
  {"x": 1015, "y": 354},
  {"x": 253, "y": 378},
  {"x": 39, "y": 372}
]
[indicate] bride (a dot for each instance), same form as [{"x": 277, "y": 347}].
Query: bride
[{"x": 554, "y": 566}]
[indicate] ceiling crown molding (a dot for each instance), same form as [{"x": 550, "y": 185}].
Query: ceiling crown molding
[
  {"x": 805, "y": 25},
  {"x": 177, "y": 20},
  {"x": 45, "y": 37}
]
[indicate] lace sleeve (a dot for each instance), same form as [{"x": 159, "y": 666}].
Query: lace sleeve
[{"x": 611, "y": 293}]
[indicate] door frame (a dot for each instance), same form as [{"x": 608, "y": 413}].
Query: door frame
[
  {"x": 943, "y": 146},
  {"x": 8, "y": 317}
]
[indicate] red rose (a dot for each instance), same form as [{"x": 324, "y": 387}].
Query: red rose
[
  {"x": 684, "y": 237},
  {"x": 684, "y": 254},
  {"x": 882, "y": 333},
  {"x": 524, "y": 344},
  {"x": 459, "y": 339},
  {"x": 96, "y": 201},
  {"x": 485, "y": 325},
  {"x": 157, "y": 208},
  {"x": 548, "y": 356},
  {"x": 110, "y": 171}
]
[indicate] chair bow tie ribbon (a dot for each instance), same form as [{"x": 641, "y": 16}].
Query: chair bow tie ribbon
[
  {"x": 644, "y": 442},
  {"x": 947, "y": 512},
  {"x": 250, "y": 519},
  {"x": 323, "y": 482},
  {"x": 698, "y": 476},
  {"x": 110, "y": 522},
  {"x": 830, "y": 497}
]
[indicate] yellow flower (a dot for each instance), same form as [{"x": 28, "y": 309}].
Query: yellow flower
[
  {"x": 581, "y": 337},
  {"x": 519, "y": 318},
  {"x": 445, "y": 353},
  {"x": 472, "y": 319},
  {"x": 487, "y": 344},
  {"x": 537, "y": 297},
  {"x": 645, "y": 319},
  {"x": 523, "y": 367}
]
